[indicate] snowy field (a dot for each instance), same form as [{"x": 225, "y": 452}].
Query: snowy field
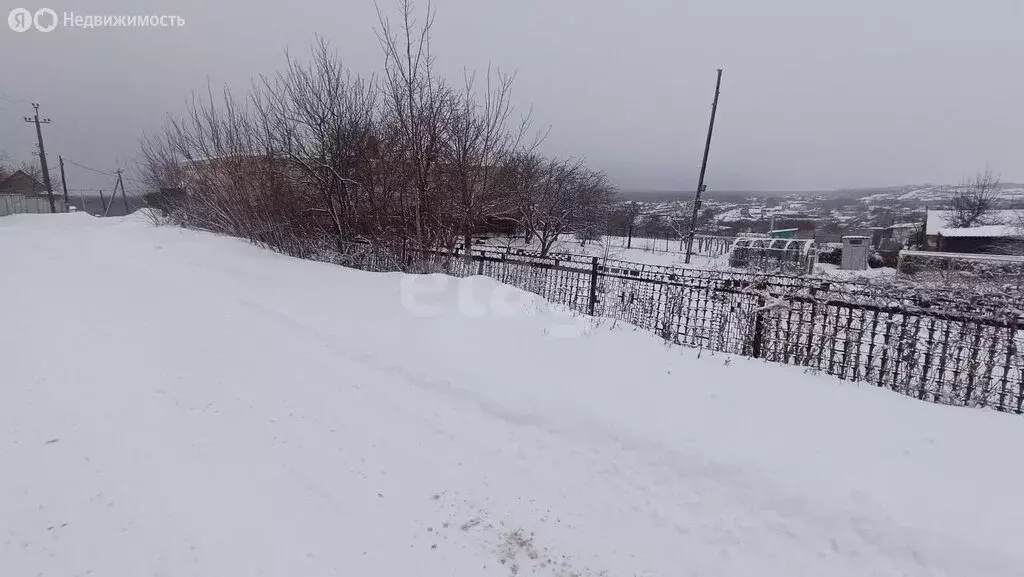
[
  {"x": 179, "y": 404},
  {"x": 667, "y": 253},
  {"x": 643, "y": 250},
  {"x": 833, "y": 270}
]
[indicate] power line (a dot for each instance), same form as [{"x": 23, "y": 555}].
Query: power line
[
  {"x": 96, "y": 170},
  {"x": 117, "y": 174}
]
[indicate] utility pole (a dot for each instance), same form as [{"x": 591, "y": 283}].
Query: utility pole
[
  {"x": 64, "y": 184},
  {"x": 124, "y": 198},
  {"x": 113, "y": 195},
  {"x": 42, "y": 154},
  {"x": 703, "y": 168}
]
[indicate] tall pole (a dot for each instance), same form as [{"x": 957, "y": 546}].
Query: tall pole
[
  {"x": 64, "y": 184},
  {"x": 124, "y": 198},
  {"x": 113, "y": 195},
  {"x": 703, "y": 168},
  {"x": 42, "y": 154}
]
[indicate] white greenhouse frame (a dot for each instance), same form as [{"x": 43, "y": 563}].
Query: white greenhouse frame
[{"x": 786, "y": 255}]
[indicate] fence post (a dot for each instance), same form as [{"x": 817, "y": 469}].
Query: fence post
[
  {"x": 593, "y": 286},
  {"x": 755, "y": 345},
  {"x": 1010, "y": 346}
]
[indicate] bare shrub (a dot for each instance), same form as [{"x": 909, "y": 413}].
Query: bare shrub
[{"x": 975, "y": 201}]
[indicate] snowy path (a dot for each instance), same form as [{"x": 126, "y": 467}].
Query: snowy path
[{"x": 174, "y": 403}]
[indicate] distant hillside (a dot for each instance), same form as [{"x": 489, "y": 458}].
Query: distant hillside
[
  {"x": 919, "y": 192},
  {"x": 722, "y": 195}
]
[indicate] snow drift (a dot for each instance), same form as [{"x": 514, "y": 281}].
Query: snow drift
[{"x": 175, "y": 403}]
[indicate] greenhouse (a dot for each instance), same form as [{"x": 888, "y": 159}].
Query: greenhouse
[{"x": 781, "y": 255}]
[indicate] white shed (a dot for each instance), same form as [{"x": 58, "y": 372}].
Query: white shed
[{"x": 855, "y": 253}]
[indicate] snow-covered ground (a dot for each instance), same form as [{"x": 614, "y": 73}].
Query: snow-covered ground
[
  {"x": 642, "y": 250},
  {"x": 833, "y": 270},
  {"x": 662, "y": 253},
  {"x": 175, "y": 403}
]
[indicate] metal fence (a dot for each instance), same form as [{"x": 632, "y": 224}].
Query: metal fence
[
  {"x": 21, "y": 204},
  {"x": 931, "y": 345}
]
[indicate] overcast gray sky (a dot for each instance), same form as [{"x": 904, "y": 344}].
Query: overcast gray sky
[{"x": 817, "y": 94}]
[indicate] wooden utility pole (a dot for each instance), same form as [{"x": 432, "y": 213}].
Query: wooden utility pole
[
  {"x": 703, "y": 168},
  {"x": 42, "y": 154},
  {"x": 64, "y": 184},
  {"x": 117, "y": 184},
  {"x": 124, "y": 197}
]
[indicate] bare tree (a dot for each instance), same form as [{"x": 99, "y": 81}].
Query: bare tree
[
  {"x": 416, "y": 101},
  {"x": 233, "y": 183},
  {"x": 319, "y": 119},
  {"x": 623, "y": 219},
  {"x": 478, "y": 144},
  {"x": 315, "y": 156},
  {"x": 974, "y": 201},
  {"x": 520, "y": 177},
  {"x": 159, "y": 167},
  {"x": 5, "y": 169},
  {"x": 680, "y": 224},
  {"x": 556, "y": 197},
  {"x": 593, "y": 196}
]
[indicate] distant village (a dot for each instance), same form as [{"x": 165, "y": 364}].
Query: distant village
[{"x": 892, "y": 218}]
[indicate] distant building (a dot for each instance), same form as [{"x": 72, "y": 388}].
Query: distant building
[
  {"x": 855, "y": 253},
  {"x": 1001, "y": 234},
  {"x": 21, "y": 193},
  {"x": 784, "y": 233},
  {"x": 903, "y": 233},
  {"x": 877, "y": 234},
  {"x": 21, "y": 183},
  {"x": 894, "y": 237}
]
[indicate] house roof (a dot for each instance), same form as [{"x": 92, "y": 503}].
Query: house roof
[
  {"x": 987, "y": 231},
  {"x": 18, "y": 180},
  {"x": 962, "y": 255},
  {"x": 1000, "y": 223}
]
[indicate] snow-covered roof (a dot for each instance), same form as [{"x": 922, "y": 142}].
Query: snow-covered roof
[
  {"x": 987, "y": 231},
  {"x": 962, "y": 256},
  {"x": 937, "y": 222}
]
